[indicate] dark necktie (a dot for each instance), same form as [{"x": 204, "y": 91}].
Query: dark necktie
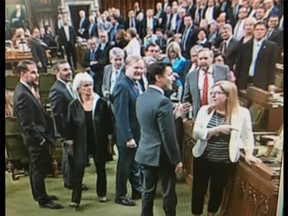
[
  {"x": 204, "y": 100},
  {"x": 224, "y": 47}
]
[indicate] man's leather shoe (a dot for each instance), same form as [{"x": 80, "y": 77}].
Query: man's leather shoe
[
  {"x": 51, "y": 205},
  {"x": 125, "y": 201}
]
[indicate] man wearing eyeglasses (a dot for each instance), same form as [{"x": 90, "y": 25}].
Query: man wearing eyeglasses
[{"x": 199, "y": 81}]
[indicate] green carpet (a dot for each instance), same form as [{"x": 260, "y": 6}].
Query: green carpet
[{"x": 19, "y": 201}]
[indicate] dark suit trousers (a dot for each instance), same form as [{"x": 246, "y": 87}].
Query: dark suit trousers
[
  {"x": 77, "y": 177},
  {"x": 127, "y": 168},
  {"x": 66, "y": 168},
  {"x": 168, "y": 182},
  {"x": 218, "y": 174},
  {"x": 70, "y": 51},
  {"x": 39, "y": 159},
  {"x": 101, "y": 178}
]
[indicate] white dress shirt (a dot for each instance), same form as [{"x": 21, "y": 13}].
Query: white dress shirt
[
  {"x": 239, "y": 30},
  {"x": 209, "y": 14},
  {"x": 210, "y": 82},
  {"x": 173, "y": 22},
  {"x": 66, "y": 29},
  {"x": 256, "y": 48},
  {"x": 150, "y": 22}
]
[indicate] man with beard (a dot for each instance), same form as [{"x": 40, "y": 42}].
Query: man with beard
[{"x": 37, "y": 131}]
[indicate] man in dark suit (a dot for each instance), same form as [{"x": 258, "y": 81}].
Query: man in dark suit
[
  {"x": 232, "y": 13},
  {"x": 275, "y": 34},
  {"x": 124, "y": 95},
  {"x": 256, "y": 61},
  {"x": 189, "y": 36},
  {"x": 92, "y": 30},
  {"x": 199, "y": 82},
  {"x": 38, "y": 51},
  {"x": 67, "y": 39},
  {"x": 158, "y": 150},
  {"x": 180, "y": 26},
  {"x": 159, "y": 15},
  {"x": 61, "y": 94},
  {"x": 271, "y": 9},
  {"x": 83, "y": 25},
  {"x": 229, "y": 45},
  {"x": 131, "y": 21},
  {"x": 211, "y": 11},
  {"x": 18, "y": 17},
  {"x": 150, "y": 21},
  {"x": 191, "y": 8},
  {"x": 167, "y": 18},
  {"x": 37, "y": 131},
  {"x": 115, "y": 26}
]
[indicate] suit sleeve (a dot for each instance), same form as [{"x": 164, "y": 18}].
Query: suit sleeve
[
  {"x": 33, "y": 47},
  {"x": 187, "y": 96},
  {"x": 165, "y": 119},
  {"x": 122, "y": 109},
  {"x": 57, "y": 106},
  {"x": 27, "y": 117}
]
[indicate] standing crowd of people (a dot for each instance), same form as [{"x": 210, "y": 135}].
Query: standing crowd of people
[{"x": 199, "y": 54}]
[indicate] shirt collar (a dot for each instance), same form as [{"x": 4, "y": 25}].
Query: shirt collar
[
  {"x": 210, "y": 70},
  {"x": 157, "y": 88},
  {"x": 259, "y": 42},
  {"x": 25, "y": 84},
  {"x": 62, "y": 81}
]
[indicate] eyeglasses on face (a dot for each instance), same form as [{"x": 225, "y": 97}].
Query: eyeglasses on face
[{"x": 216, "y": 93}]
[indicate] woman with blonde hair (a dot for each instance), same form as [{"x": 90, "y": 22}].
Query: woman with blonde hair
[
  {"x": 249, "y": 25},
  {"x": 221, "y": 129},
  {"x": 134, "y": 45},
  {"x": 174, "y": 57}
]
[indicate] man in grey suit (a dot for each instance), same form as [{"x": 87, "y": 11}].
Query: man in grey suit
[
  {"x": 158, "y": 150},
  {"x": 195, "y": 90},
  {"x": 113, "y": 72},
  {"x": 229, "y": 45}
]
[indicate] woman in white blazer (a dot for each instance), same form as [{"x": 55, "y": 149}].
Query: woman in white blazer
[{"x": 221, "y": 130}]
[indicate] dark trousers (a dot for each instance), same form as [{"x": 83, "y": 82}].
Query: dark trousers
[
  {"x": 39, "y": 159},
  {"x": 66, "y": 168},
  {"x": 218, "y": 174},
  {"x": 77, "y": 174},
  {"x": 71, "y": 51},
  {"x": 168, "y": 182},
  {"x": 101, "y": 178},
  {"x": 127, "y": 168}
]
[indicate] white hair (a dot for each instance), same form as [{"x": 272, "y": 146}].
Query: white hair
[{"x": 80, "y": 79}]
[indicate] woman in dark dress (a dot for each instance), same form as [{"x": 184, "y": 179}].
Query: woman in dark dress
[{"x": 89, "y": 133}]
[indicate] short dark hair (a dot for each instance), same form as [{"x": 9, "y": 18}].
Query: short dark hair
[
  {"x": 151, "y": 45},
  {"x": 22, "y": 66},
  {"x": 154, "y": 69},
  {"x": 115, "y": 17},
  {"x": 262, "y": 23},
  {"x": 169, "y": 33},
  {"x": 201, "y": 29},
  {"x": 60, "y": 62},
  {"x": 187, "y": 15}
]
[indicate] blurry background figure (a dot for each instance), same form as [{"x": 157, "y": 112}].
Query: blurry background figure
[{"x": 18, "y": 17}]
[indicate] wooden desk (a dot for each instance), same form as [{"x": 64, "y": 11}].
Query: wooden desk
[
  {"x": 254, "y": 190},
  {"x": 17, "y": 58}
]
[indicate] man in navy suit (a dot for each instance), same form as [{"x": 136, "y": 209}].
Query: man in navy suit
[
  {"x": 61, "y": 94},
  {"x": 189, "y": 36},
  {"x": 37, "y": 131},
  {"x": 83, "y": 25},
  {"x": 125, "y": 94},
  {"x": 158, "y": 150},
  {"x": 256, "y": 61},
  {"x": 115, "y": 26},
  {"x": 92, "y": 30}
]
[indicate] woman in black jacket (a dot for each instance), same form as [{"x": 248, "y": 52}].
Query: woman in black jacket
[{"x": 89, "y": 133}]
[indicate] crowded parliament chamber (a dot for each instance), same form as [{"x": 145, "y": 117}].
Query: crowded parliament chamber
[{"x": 106, "y": 100}]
